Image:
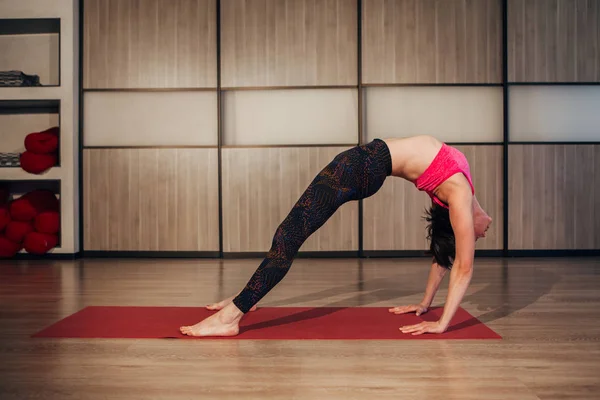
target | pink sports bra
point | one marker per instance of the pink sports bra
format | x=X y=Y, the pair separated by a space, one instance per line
x=446 y=163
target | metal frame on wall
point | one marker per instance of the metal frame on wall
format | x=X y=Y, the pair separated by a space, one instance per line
x=505 y=126
x=80 y=133
x=478 y=253
x=360 y=253
x=360 y=116
x=507 y=84
x=219 y=129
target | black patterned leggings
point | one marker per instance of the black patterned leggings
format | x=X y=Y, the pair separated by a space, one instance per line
x=354 y=174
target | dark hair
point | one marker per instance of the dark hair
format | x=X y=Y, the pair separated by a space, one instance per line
x=441 y=235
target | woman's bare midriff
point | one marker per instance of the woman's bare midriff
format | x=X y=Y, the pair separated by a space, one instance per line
x=411 y=156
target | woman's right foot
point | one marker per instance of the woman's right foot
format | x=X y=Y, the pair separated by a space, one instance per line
x=224 y=323
x=222 y=304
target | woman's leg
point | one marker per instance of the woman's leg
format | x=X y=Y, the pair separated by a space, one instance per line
x=352 y=175
x=317 y=204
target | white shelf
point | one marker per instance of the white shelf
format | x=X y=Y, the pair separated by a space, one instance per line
x=56 y=250
x=33 y=93
x=17 y=174
x=68 y=62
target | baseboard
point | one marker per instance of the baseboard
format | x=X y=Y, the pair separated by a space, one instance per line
x=150 y=254
x=489 y=253
x=395 y=253
x=421 y=253
x=554 y=253
x=210 y=254
x=302 y=254
x=48 y=256
x=486 y=253
x=310 y=254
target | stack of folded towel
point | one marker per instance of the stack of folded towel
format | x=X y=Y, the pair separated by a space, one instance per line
x=18 y=78
x=30 y=222
x=41 y=152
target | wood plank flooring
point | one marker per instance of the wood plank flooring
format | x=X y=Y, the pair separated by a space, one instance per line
x=547 y=310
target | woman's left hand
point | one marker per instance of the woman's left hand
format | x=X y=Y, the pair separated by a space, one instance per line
x=424 y=327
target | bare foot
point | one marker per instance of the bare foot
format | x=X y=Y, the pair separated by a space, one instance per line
x=220 y=305
x=224 y=323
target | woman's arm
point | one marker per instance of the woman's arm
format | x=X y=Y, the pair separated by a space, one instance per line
x=461 y=218
x=436 y=274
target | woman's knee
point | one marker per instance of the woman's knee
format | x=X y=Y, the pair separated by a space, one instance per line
x=284 y=243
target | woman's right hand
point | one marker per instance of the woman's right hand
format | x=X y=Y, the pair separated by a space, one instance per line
x=418 y=309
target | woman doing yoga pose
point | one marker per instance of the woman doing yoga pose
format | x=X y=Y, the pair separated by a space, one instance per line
x=455 y=218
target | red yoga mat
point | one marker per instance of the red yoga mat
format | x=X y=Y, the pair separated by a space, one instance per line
x=279 y=323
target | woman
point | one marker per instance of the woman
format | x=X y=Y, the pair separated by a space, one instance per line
x=456 y=221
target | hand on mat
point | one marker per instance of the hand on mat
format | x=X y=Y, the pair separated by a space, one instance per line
x=418 y=309
x=423 y=327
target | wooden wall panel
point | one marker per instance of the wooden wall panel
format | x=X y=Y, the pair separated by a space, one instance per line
x=149 y=43
x=432 y=41
x=486 y=168
x=151 y=200
x=288 y=42
x=554 y=40
x=393 y=217
x=260 y=187
x=554 y=197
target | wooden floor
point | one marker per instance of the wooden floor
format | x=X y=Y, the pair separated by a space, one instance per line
x=547 y=310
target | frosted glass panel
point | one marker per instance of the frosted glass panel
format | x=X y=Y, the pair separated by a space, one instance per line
x=554 y=113
x=150 y=118
x=295 y=116
x=452 y=114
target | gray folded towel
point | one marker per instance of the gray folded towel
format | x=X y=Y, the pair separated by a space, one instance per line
x=18 y=78
x=8 y=160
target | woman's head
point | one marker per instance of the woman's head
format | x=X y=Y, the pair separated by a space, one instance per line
x=440 y=235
